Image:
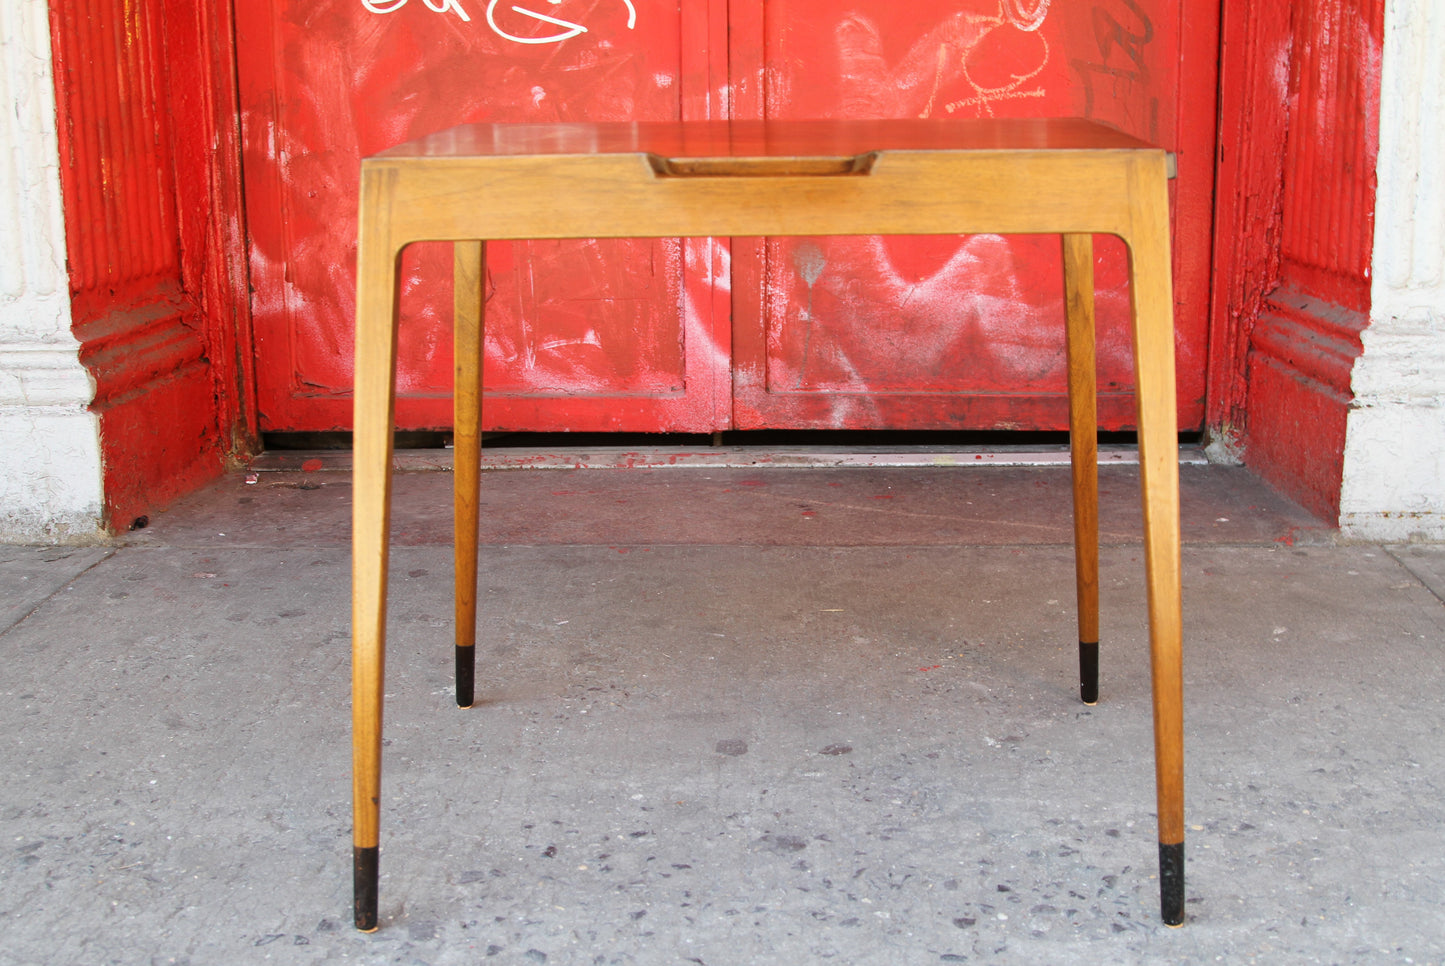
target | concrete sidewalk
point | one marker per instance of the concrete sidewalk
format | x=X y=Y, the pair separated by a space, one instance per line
x=725 y=715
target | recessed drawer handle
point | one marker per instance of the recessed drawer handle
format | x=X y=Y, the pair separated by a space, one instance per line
x=804 y=167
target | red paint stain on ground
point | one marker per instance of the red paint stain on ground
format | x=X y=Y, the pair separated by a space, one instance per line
x=311 y=466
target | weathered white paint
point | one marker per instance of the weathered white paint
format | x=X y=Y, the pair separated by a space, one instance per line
x=50 y=469
x=1394 y=476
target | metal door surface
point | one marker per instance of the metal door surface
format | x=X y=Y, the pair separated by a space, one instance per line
x=963 y=332
x=699 y=335
x=610 y=334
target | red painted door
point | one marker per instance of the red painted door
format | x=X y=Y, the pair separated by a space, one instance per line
x=599 y=335
x=672 y=336
x=953 y=332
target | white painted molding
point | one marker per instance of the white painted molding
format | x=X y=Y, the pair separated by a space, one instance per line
x=42 y=376
x=50 y=463
x=1394 y=475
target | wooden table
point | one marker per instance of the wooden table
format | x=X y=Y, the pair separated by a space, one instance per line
x=717 y=178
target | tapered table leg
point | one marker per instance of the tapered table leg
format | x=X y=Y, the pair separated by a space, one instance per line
x=1083 y=451
x=1153 y=317
x=468 y=305
x=475 y=183
x=377 y=287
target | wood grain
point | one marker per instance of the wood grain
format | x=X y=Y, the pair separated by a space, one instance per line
x=485 y=182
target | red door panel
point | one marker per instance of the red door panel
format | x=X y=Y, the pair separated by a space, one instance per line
x=670 y=335
x=957 y=332
x=580 y=335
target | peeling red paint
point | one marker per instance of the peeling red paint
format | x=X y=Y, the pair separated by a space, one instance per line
x=144 y=124
x=1296 y=227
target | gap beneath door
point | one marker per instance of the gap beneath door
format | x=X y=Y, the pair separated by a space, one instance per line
x=782 y=449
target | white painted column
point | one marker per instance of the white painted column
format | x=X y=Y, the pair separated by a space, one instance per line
x=1394 y=476
x=50 y=464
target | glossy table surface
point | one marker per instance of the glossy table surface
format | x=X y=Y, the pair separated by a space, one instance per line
x=766 y=139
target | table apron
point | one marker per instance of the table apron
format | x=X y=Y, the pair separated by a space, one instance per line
x=622 y=196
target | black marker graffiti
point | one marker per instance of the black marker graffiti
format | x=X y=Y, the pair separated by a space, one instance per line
x=1116 y=84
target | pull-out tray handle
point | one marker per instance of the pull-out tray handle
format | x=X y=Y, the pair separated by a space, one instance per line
x=762 y=167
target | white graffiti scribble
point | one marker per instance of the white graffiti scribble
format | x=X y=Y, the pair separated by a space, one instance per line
x=1017 y=12
x=566 y=29
x=995 y=55
x=439 y=6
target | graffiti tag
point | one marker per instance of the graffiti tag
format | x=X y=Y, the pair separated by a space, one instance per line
x=1120 y=75
x=1025 y=16
x=567 y=29
x=994 y=55
x=559 y=28
x=439 y=6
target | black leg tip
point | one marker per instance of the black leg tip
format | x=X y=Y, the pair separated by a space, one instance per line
x=1171 y=883
x=466 y=676
x=365 y=872
x=1089 y=671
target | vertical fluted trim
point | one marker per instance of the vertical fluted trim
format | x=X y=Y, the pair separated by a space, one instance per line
x=1330 y=150
x=120 y=208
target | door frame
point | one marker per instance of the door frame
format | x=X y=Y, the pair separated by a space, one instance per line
x=214 y=185
x=1293 y=238
x=163 y=326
